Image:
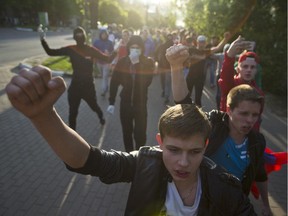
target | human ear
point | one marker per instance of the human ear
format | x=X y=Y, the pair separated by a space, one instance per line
x=159 y=140
x=228 y=110
x=238 y=68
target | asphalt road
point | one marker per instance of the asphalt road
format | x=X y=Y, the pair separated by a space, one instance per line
x=17 y=45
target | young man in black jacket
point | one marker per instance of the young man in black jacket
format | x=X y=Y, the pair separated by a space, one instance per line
x=232 y=144
x=172 y=179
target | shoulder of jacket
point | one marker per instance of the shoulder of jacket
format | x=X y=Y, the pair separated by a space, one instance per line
x=220 y=172
x=208 y=163
x=150 y=151
x=258 y=137
x=230 y=179
x=123 y=63
x=216 y=116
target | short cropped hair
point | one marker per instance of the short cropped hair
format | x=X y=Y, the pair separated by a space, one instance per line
x=241 y=93
x=183 y=121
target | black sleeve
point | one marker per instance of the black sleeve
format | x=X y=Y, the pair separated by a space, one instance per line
x=115 y=82
x=97 y=54
x=53 y=52
x=151 y=67
x=261 y=175
x=110 y=167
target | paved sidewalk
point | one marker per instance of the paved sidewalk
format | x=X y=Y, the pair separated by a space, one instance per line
x=33 y=181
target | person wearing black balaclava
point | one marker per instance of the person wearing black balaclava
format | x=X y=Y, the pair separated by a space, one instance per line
x=82 y=86
x=134 y=73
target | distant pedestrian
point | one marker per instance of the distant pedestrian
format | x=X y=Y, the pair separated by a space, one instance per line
x=148 y=43
x=106 y=47
x=122 y=46
x=134 y=73
x=219 y=57
x=82 y=58
x=197 y=70
x=164 y=68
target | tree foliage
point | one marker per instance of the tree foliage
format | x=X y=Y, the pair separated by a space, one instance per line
x=87 y=12
x=134 y=19
x=111 y=12
x=27 y=11
x=264 y=21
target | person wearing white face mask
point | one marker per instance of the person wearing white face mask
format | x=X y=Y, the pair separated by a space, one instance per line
x=134 y=55
x=134 y=73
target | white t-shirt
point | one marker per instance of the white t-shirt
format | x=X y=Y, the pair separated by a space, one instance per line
x=174 y=205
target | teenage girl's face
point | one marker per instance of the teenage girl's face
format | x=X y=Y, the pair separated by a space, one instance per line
x=182 y=158
x=247 y=69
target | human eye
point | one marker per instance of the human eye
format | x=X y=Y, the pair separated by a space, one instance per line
x=243 y=113
x=196 y=151
x=173 y=149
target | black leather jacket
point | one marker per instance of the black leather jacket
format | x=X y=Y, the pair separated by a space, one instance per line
x=221 y=192
x=256 y=146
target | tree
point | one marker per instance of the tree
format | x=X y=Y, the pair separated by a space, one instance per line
x=94 y=5
x=262 y=21
x=116 y=13
x=270 y=33
x=134 y=19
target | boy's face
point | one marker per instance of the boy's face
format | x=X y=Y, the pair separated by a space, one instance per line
x=201 y=45
x=247 y=69
x=243 y=117
x=182 y=158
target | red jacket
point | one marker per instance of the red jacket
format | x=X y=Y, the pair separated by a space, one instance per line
x=229 y=79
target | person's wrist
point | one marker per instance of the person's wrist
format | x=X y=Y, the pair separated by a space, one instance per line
x=176 y=68
x=44 y=116
x=231 y=54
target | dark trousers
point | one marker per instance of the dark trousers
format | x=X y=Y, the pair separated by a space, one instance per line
x=218 y=93
x=85 y=91
x=134 y=125
x=196 y=82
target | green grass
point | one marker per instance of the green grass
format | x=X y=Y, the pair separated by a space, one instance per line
x=59 y=63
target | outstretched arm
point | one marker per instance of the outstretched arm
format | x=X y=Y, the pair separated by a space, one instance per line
x=176 y=56
x=222 y=43
x=33 y=93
